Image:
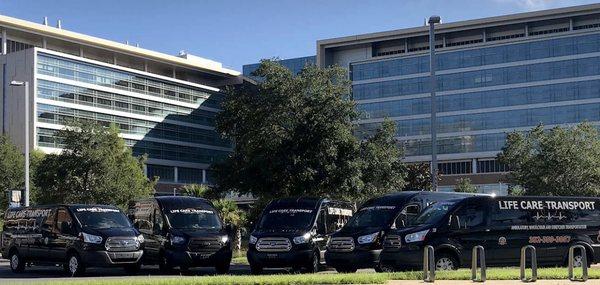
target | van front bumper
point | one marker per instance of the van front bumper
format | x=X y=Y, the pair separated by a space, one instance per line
x=198 y=259
x=402 y=259
x=292 y=258
x=353 y=259
x=110 y=258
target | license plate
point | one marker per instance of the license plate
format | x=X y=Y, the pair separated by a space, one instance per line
x=272 y=255
x=124 y=255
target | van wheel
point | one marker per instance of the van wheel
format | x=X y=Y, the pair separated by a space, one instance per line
x=222 y=268
x=345 y=269
x=17 y=264
x=314 y=265
x=132 y=269
x=74 y=265
x=163 y=264
x=255 y=269
x=578 y=259
x=446 y=262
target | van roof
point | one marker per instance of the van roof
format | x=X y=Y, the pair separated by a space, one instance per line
x=62 y=205
x=297 y=202
x=404 y=196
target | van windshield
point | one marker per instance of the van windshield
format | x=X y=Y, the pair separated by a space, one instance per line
x=101 y=218
x=374 y=216
x=187 y=219
x=433 y=213
x=281 y=219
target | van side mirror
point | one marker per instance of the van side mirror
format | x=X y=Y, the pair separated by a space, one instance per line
x=45 y=227
x=65 y=227
x=454 y=222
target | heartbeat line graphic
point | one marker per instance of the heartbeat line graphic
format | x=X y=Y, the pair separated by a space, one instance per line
x=557 y=215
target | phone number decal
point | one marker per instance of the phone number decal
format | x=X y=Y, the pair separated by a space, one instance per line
x=549 y=239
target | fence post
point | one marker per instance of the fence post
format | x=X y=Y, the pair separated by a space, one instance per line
x=584 y=263
x=428 y=264
x=478 y=254
x=524 y=250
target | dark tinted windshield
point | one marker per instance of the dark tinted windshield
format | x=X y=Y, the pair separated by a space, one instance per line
x=375 y=216
x=101 y=218
x=193 y=219
x=433 y=213
x=278 y=219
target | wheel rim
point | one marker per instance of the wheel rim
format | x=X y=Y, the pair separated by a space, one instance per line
x=14 y=261
x=444 y=263
x=73 y=264
x=577 y=261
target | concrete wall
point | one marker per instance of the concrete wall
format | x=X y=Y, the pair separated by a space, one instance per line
x=18 y=66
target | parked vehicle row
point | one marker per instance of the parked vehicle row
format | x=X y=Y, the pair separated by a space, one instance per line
x=305 y=234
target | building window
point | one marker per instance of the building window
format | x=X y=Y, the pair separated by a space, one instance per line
x=189 y=175
x=458 y=167
x=163 y=173
x=491 y=166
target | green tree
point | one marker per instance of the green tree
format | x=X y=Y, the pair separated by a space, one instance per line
x=382 y=168
x=94 y=166
x=201 y=190
x=293 y=135
x=464 y=185
x=12 y=170
x=557 y=162
x=418 y=177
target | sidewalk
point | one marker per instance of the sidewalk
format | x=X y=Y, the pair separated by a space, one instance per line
x=492 y=282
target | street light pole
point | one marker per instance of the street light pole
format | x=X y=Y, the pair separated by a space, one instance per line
x=26 y=85
x=433 y=86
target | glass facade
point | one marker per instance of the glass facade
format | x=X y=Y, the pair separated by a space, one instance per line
x=482 y=93
x=168 y=130
x=295 y=65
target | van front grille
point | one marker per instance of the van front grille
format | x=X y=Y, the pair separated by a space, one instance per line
x=341 y=244
x=205 y=244
x=273 y=244
x=122 y=244
x=392 y=242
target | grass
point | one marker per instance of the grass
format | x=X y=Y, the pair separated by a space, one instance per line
x=303 y=279
x=239 y=257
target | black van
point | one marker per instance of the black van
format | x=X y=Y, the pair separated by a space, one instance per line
x=78 y=236
x=293 y=232
x=359 y=243
x=182 y=231
x=502 y=225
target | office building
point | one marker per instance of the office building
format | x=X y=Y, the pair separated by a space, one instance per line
x=494 y=75
x=164 y=105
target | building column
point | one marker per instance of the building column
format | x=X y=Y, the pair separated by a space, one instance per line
x=114 y=59
x=405 y=45
x=176 y=174
x=174 y=73
x=80 y=51
x=4 y=42
x=484 y=34
x=526 y=30
x=145 y=170
x=44 y=42
x=474 y=165
x=570 y=24
x=203 y=176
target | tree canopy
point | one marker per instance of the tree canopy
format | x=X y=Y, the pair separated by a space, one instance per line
x=295 y=135
x=94 y=166
x=12 y=173
x=560 y=161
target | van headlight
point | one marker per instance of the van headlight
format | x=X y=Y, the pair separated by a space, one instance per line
x=140 y=239
x=88 y=238
x=367 y=238
x=302 y=239
x=224 y=239
x=252 y=239
x=418 y=236
x=177 y=240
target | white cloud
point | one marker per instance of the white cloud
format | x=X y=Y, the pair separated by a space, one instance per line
x=528 y=4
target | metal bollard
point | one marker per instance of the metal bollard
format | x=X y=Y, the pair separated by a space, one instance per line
x=478 y=254
x=429 y=264
x=524 y=249
x=584 y=263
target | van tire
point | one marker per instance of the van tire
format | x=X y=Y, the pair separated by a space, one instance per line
x=314 y=265
x=446 y=261
x=256 y=269
x=74 y=265
x=578 y=257
x=345 y=269
x=222 y=268
x=163 y=264
x=17 y=263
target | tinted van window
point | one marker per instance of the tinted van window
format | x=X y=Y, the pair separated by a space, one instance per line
x=471 y=216
x=193 y=219
x=101 y=218
x=276 y=219
x=375 y=216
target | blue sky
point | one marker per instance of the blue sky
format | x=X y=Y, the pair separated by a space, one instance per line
x=237 y=32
